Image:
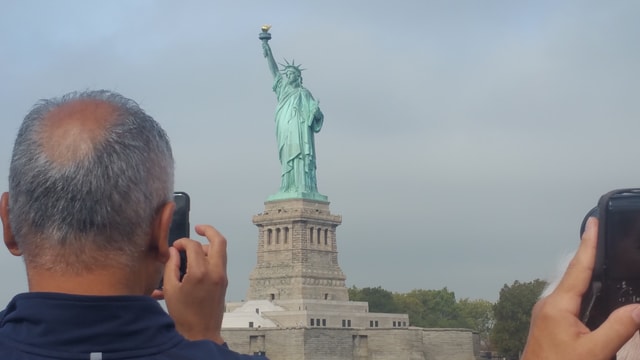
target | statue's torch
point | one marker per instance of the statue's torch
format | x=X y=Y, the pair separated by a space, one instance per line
x=265 y=35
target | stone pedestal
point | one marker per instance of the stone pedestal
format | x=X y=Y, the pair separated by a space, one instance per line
x=297 y=253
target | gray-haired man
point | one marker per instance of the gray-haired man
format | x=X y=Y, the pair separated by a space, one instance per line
x=89 y=208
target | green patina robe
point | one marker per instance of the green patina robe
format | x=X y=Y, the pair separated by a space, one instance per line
x=298 y=117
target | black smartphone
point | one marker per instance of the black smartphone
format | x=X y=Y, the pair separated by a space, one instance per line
x=615 y=280
x=180 y=226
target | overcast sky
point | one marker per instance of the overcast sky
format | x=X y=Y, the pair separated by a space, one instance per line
x=463 y=141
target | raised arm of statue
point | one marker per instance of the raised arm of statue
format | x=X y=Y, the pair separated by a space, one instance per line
x=273 y=66
x=265 y=36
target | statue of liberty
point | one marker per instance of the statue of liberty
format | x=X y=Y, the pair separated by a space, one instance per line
x=298 y=118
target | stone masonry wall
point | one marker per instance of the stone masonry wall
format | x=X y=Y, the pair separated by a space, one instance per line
x=447 y=344
x=355 y=344
x=297 y=253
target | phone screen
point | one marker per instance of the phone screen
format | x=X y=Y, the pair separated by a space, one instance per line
x=623 y=237
x=180 y=225
x=180 y=221
x=616 y=274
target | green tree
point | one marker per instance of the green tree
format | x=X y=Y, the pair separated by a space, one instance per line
x=512 y=314
x=379 y=299
x=413 y=307
x=477 y=315
x=430 y=308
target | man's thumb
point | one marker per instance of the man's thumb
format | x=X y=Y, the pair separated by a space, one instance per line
x=619 y=327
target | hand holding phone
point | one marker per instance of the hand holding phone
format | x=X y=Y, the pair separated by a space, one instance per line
x=555 y=332
x=196 y=304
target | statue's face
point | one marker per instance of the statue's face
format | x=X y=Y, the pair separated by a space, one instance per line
x=292 y=76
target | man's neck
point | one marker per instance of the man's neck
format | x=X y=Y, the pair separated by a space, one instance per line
x=103 y=282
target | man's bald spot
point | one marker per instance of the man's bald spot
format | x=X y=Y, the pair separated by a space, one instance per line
x=71 y=131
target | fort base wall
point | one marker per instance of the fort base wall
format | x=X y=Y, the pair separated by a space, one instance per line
x=355 y=344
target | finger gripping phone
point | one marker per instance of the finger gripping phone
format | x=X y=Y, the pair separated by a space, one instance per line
x=615 y=281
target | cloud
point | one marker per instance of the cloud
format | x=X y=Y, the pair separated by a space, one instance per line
x=463 y=141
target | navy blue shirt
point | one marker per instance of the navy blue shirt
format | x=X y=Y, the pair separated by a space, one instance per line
x=46 y=326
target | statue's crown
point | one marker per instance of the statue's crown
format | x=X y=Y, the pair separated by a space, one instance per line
x=291 y=66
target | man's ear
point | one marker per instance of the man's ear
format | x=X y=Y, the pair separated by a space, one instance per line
x=9 y=239
x=160 y=231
